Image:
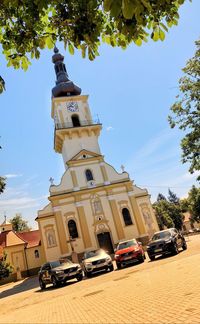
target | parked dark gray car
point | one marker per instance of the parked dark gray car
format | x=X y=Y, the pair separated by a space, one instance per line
x=58 y=272
x=164 y=242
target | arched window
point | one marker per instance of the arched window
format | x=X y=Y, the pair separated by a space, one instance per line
x=72 y=229
x=75 y=121
x=89 y=175
x=36 y=252
x=127 y=217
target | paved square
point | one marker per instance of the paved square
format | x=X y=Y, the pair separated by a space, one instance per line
x=164 y=291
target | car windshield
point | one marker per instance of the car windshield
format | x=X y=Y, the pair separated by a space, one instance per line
x=161 y=235
x=59 y=263
x=126 y=244
x=93 y=253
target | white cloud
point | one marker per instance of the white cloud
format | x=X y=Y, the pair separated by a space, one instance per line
x=8 y=176
x=154 y=144
x=157 y=166
x=19 y=202
x=109 y=128
x=185 y=178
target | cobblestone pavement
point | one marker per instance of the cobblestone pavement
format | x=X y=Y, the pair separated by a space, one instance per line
x=164 y=291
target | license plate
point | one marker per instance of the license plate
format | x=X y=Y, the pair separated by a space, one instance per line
x=158 y=250
x=128 y=258
x=99 y=265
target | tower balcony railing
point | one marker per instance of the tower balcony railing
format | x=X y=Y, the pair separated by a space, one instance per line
x=80 y=123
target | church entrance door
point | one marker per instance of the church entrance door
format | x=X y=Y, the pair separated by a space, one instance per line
x=105 y=242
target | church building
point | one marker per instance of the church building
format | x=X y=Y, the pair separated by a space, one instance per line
x=93 y=206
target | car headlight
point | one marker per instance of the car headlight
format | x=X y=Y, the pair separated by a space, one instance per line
x=168 y=241
x=137 y=249
x=116 y=256
x=148 y=246
x=59 y=272
x=88 y=264
x=108 y=259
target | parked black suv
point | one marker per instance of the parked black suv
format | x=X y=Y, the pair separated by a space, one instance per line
x=58 y=272
x=164 y=242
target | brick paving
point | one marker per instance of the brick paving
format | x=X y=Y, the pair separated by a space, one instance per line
x=164 y=291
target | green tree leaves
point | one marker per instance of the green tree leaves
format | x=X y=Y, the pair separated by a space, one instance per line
x=169 y=211
x=27 y=27
x=2 y=184
x=128 y=8
x=5 y=267
x=19 y=224
x=2 y=85
x=186 y=112
x=193 y=203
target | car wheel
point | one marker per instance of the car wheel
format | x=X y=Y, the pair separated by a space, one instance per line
x=111 y=268
x=152 y=257
x=141 y=259
x=54 y=282
x=119 y=266
x=42 y=284
x=79 y=277
x=88 y=274
x=184 y=246
x=175 y=249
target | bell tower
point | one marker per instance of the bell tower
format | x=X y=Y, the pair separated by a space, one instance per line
x=75 y=130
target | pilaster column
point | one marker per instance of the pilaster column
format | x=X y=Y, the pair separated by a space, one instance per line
x=74 y=178
x=61 y=117
x=83 y=224
x=104 y=173
x=116 y=218
x=138 y=216
x=43 y=254
x=61 y=233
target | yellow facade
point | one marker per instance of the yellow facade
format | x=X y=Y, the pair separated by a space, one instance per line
x=93 y=202
x=23 y=250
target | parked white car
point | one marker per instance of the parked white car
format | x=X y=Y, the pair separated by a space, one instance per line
x=96 y=260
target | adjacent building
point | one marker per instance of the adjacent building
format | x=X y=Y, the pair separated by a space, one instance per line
x=23 y=250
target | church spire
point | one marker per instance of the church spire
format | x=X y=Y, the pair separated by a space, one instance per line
x=64 y=87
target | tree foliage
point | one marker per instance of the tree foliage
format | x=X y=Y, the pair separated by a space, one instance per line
x=28 y=26
x=186 y=112
x=173 y=198
x=2 y=179
x=193 y=202
x=2 y=184
x=19 y=224
x=168 y=211
x=5 y=267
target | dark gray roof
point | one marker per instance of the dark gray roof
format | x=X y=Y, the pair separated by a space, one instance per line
x=64 y=87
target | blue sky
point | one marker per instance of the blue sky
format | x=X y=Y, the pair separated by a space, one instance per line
x=131 y=91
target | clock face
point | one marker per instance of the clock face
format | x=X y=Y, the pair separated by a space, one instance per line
x=72 y=106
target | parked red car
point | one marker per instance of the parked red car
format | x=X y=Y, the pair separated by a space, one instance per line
x=129 y=251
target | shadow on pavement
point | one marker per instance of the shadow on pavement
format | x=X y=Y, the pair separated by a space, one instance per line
x=25 y=285
x=50 y=286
